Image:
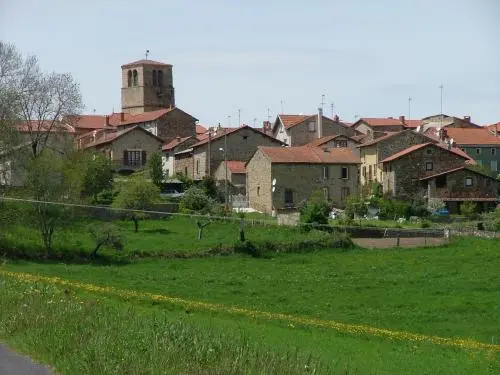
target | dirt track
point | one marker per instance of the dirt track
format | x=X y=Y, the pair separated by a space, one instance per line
x=383 y=243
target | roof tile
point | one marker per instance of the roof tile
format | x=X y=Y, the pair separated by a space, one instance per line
x=310 y=155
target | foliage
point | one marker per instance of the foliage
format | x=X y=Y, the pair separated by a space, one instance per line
x=393 y=209
x=98 y=177
x=137 y=194
x=208 y=184
x=315 y=211
x=419 y=209
x=186 y=181
x=435 y=204
x=105 y=197
x=469 y=210
x=195 y=200
x=155 y=167
x=105 y=235
x=355 y=206
x=425 y=224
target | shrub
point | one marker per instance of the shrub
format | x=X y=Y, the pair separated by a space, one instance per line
x=315 y=211
x=105 y=235
x=196 y=200
x=393 y=209
x=355 y=206
x=425 y=224
x=469 y=210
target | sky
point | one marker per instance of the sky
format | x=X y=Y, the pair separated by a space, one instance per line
x=366 y=57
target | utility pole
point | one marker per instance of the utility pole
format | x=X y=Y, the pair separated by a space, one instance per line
x=409 y=107
x=332 y=106
x=225 y=162
x=239 y=117
x=229 y=121
x=254 y=122
x=322 y=101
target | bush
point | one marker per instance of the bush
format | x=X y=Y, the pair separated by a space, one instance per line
x=105 y=235
x=195 y=200
x=315 y=211
x=393 y=209
x=425 y=224
x=469 y=210
x=355 y=206
x=419 y=209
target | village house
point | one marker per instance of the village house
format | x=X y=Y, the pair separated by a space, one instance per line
x=298 y=130
x=170 y=149
x=459 y=185
x=236 y=174
x=237 y=144
x=478 y=143
x=405 y=169
x=128 y=149
x=375 y=127
x=373 y=152
x=285 y=177
x=336 y=141
x=445 y=121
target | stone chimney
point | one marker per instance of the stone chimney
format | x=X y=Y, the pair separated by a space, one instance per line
x=319 y=123
x=266 y=127
x=122 y=116
x=106 y=121
x=178 y=138
x=402 y=119
x=467 y=119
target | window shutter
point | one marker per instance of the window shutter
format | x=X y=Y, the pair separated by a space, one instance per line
x=125 y=157
x=144 y=157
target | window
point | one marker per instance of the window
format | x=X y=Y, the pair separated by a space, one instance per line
x=312 y=126
x=344 y=173
x=428 y=151
x=258 y=191
x=441 y=181
x=428 y=166
x=364 y=171
x=326 y=194
x=325 y=172
x=344 y=193
x=135 y=78
x=197 y=166
x=494 y=165
x=155 y=82
x=129 y=78
x=341 y=143
x=468 y=181
x=478 y=151
x=134 y=157
x=160 y=78
x=493 y=151
x=288 y=196
x=369 y=173
x=185 y=171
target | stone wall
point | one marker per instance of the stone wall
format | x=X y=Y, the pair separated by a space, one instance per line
x=259 y=183
x=176 y=124
x=409 y=169
x=184 y=164
x=300 y=134
x=482 y=186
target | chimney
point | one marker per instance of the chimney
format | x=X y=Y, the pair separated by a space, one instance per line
x=122 y=116
x=496 y=129
x=106 y=120
x=467 y=119
x=402 y=119
x=336 y=118
x=266 y=127
x=320 y=123
x=178 y=138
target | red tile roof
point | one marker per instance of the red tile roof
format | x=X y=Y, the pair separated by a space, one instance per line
x=310 y=155
x=174 y=143
x=200 y=129
x=291 y=120
x=146 y=116
x=37 y=126
x=144 y=62
x=111 y=136
x=321 y=141
x=472 y=136
x=413 y=123
x=414 y=148
x=236 y=166
x=227 y=131
x=458 y=169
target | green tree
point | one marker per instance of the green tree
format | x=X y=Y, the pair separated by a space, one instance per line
x=315 y=211
x=469 y=210
x=98 y=175
x=105 y=235
x=155 y=167
x=138 y=194
x=195 y=200
x=209 y=185
x=355 y=206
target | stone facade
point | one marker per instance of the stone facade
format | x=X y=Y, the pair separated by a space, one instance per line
x=295 y=182
x=241 y=145
x=147 y=94
x=237 y=181
x=402 y=176
x=184 y=163
x=168 y=157
x=372 y=154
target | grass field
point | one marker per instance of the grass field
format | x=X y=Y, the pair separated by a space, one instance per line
x=451 y=292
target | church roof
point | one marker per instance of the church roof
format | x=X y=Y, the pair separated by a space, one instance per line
x=144 y=62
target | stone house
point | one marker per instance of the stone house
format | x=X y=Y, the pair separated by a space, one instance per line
x=236 y=175
x=336 y=141
x=446 y=121
x=373 y=152
x=207 y=154
x=128 y=149
x=298 y=130
x=478 y=143
x=170 y=149
x=459 y=185
x=285 y=177
x=405 y=169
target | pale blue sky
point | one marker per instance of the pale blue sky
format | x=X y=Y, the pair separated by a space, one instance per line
x=366 y=56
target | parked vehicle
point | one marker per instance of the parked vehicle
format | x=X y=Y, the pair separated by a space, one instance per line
x=443 y=212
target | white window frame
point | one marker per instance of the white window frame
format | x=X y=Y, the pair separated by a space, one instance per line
x=311 y=126
x=471 y=182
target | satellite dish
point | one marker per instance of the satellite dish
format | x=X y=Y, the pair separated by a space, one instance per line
x=452 y=141
x=274 y=189
x=419 y=128
x=274 y=182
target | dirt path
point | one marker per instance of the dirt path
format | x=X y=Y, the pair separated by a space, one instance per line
x=15 y=364
x=383 y=243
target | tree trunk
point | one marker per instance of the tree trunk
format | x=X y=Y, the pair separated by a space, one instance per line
x=94 y=253
x=200 y=233
x=136 y=223
x=242 y=231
